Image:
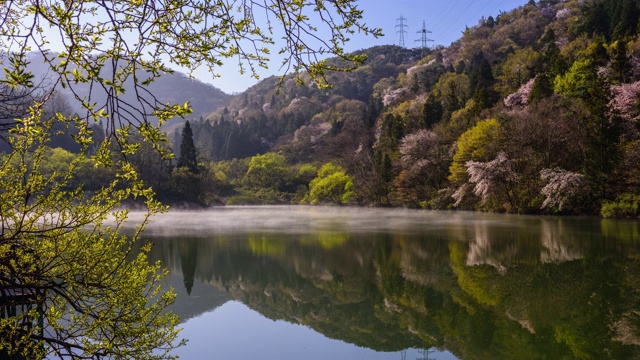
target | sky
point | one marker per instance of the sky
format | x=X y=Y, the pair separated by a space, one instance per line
x=445 y=19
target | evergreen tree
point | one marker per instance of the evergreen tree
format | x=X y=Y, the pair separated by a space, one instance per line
x=188 y=262
x=626 y=18
x=188 y=155
x=542 y=88
x=432 y=112
x=481 y=83
x=620 y=64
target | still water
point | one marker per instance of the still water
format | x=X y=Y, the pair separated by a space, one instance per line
x=348 y=283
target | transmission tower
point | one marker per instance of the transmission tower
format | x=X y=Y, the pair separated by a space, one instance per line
x=425 y=354
x=401 y=25
x=424 y=40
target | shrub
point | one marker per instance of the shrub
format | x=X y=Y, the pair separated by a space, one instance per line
x=331 y=186
x=625 y=206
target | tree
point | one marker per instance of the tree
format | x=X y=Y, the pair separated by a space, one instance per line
x=481 y=82
x=542 y=88
x=562 y=187
x=331 y=186
x=425 y=164
x=518 y=69
x=431 y=111
x=266 y=171
x=61 y=248
x=188 y=156
x=478 y=144
x=578 y=80
x=620 y=64
x=494 y=178
x=453 y=90
x=80 y=276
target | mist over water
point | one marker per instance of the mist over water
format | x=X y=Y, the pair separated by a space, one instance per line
x=310 y=219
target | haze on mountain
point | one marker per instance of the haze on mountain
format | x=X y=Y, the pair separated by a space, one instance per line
x=172 y=88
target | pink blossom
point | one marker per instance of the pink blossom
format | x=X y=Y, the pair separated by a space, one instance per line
x=563 y=13
x=624 y=100
x=562 y=186
x=416 y=146
x=520 y=98
x=490 y=177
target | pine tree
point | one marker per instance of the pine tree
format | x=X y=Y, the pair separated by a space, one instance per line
x=188 y=155
x=432 y=112
x=542 y=88
x=481 y=83
x=620 y=64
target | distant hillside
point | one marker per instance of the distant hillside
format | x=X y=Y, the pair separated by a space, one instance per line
x=172 y=88
x=274 y=114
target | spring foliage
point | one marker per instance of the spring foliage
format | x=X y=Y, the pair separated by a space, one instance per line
x=331 y=186
x=96 y=294
x=474 y=145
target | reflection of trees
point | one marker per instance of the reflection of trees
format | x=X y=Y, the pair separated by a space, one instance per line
x=188 y=261
x=557 y=245
x=442 y=289
x=481 y=250
x=194 y=297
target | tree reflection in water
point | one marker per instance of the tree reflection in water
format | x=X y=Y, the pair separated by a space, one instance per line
x=488 y=287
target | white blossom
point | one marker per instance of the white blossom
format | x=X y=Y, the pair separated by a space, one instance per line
x=490 y=177
x=561 y=186
x=520 y=98
x=416 y=146
x=459 y=194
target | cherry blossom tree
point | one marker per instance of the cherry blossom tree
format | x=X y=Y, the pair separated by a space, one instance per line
x=624 y=100
x=561 y=187
x=425 y=162
x=494 y=178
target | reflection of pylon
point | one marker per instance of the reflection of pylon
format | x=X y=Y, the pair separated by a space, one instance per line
x=424 y=38
x=403 y=355
x=401 y=25
x=425 y=354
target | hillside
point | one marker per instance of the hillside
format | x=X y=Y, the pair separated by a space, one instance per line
x=172 y=88
x=273 y=114
x=534 y=111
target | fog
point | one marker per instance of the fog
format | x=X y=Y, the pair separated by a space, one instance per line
x=310 y=219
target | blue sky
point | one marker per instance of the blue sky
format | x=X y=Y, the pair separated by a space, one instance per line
x=445 y=19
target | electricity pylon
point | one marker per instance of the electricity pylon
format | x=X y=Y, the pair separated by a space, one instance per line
x=401 y=25
x=424 y=39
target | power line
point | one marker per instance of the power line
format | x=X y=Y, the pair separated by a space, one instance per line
x=454 y=22
x=475 y=15
x=444 y=13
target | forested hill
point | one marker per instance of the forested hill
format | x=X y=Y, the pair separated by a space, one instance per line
x=175 y=88
x=534 y=111
x=276 y=114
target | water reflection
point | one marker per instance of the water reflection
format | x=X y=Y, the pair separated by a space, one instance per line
x=480 y=286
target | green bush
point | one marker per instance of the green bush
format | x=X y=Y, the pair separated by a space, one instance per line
x=625 y=206
x=258 y=197
x=331 y=186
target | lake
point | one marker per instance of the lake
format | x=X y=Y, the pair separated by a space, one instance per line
x=292 y=282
